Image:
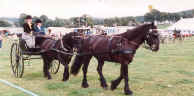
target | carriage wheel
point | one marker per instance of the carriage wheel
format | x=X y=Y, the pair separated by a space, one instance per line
x=17 y=62
x=55 y=65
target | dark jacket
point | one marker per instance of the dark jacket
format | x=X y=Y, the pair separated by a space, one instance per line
x=27 y=28
x=39 y=31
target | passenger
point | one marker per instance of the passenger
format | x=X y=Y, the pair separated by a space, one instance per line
x=38 y=28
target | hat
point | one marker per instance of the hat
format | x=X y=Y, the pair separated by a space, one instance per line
x=38 y=21
x=28 y=17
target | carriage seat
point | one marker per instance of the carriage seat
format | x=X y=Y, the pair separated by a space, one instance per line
x=26 y=49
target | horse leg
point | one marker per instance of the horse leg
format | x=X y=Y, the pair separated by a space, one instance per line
x=47 y=62
x=102 y=79
x=85 y=69
x=116 y=82
x=125 y=76
x=66 y=72
x=65 y=61
x=44 y=68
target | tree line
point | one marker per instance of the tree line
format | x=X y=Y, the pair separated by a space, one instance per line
x=86 y=20
x=156 y=15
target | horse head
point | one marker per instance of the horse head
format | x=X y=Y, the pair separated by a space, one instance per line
x=73 y=40
x=152 y=38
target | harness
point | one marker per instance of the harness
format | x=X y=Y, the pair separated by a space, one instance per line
x=111 y=50
x=54 y=45
x=119 y=49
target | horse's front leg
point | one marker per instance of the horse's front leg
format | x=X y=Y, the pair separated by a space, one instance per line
x=46 y=66
x=85 y=69
x=116 y=82
x=125 y=76
x=99 y=69
x=64 y=59
x=66 y=72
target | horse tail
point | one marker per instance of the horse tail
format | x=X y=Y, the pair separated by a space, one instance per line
x=77 y=63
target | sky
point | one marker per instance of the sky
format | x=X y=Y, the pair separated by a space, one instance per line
x=95 y=8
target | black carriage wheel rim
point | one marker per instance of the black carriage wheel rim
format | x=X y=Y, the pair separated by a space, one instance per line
x=53 y=66
x=17 y=60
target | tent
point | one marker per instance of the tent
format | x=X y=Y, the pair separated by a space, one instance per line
x=185 y=25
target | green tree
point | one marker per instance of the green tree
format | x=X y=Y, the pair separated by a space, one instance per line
x=4 y=23
x=44 y=19
x=58 y=22
x=21 y=18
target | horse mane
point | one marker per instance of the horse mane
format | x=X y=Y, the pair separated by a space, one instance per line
x=68 y=35
x=132 y=33
x=67 y=38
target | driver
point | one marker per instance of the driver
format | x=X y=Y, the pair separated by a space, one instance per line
x=27 y=35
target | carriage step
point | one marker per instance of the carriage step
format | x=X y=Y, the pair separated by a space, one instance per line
x=32 y=53
x=31 y=58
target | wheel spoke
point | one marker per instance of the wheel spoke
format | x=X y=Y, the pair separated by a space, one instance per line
x=16 y=60
x=54 y=66
x=16 y=71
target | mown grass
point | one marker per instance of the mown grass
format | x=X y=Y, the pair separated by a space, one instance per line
x=169 y=72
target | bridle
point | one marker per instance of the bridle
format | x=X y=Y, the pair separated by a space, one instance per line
x=63 y=49
x=149 y=38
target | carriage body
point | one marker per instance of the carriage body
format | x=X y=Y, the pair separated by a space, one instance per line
x=20 y=53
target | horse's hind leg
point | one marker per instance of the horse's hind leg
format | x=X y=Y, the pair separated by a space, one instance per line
x=99 y=69
x=84 y=69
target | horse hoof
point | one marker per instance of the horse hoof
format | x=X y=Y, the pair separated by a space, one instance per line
x=65 y=79
x=113 y=87
x=45 y=75
x=129 y=93
x=105 y=86
x=49 y=78
x=85 y=85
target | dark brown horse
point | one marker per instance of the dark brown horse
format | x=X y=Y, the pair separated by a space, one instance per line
x=119 y=48
x=51 y=50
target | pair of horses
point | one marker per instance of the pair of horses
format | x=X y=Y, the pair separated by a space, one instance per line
x=119 y=48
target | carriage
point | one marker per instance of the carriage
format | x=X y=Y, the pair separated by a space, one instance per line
x=20 y=53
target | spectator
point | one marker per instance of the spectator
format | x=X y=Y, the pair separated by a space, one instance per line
x=1 y=40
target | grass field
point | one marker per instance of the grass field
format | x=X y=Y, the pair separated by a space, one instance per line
x=169 y=72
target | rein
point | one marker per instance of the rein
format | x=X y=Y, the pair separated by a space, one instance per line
x=116 y=51
x=62 y=45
